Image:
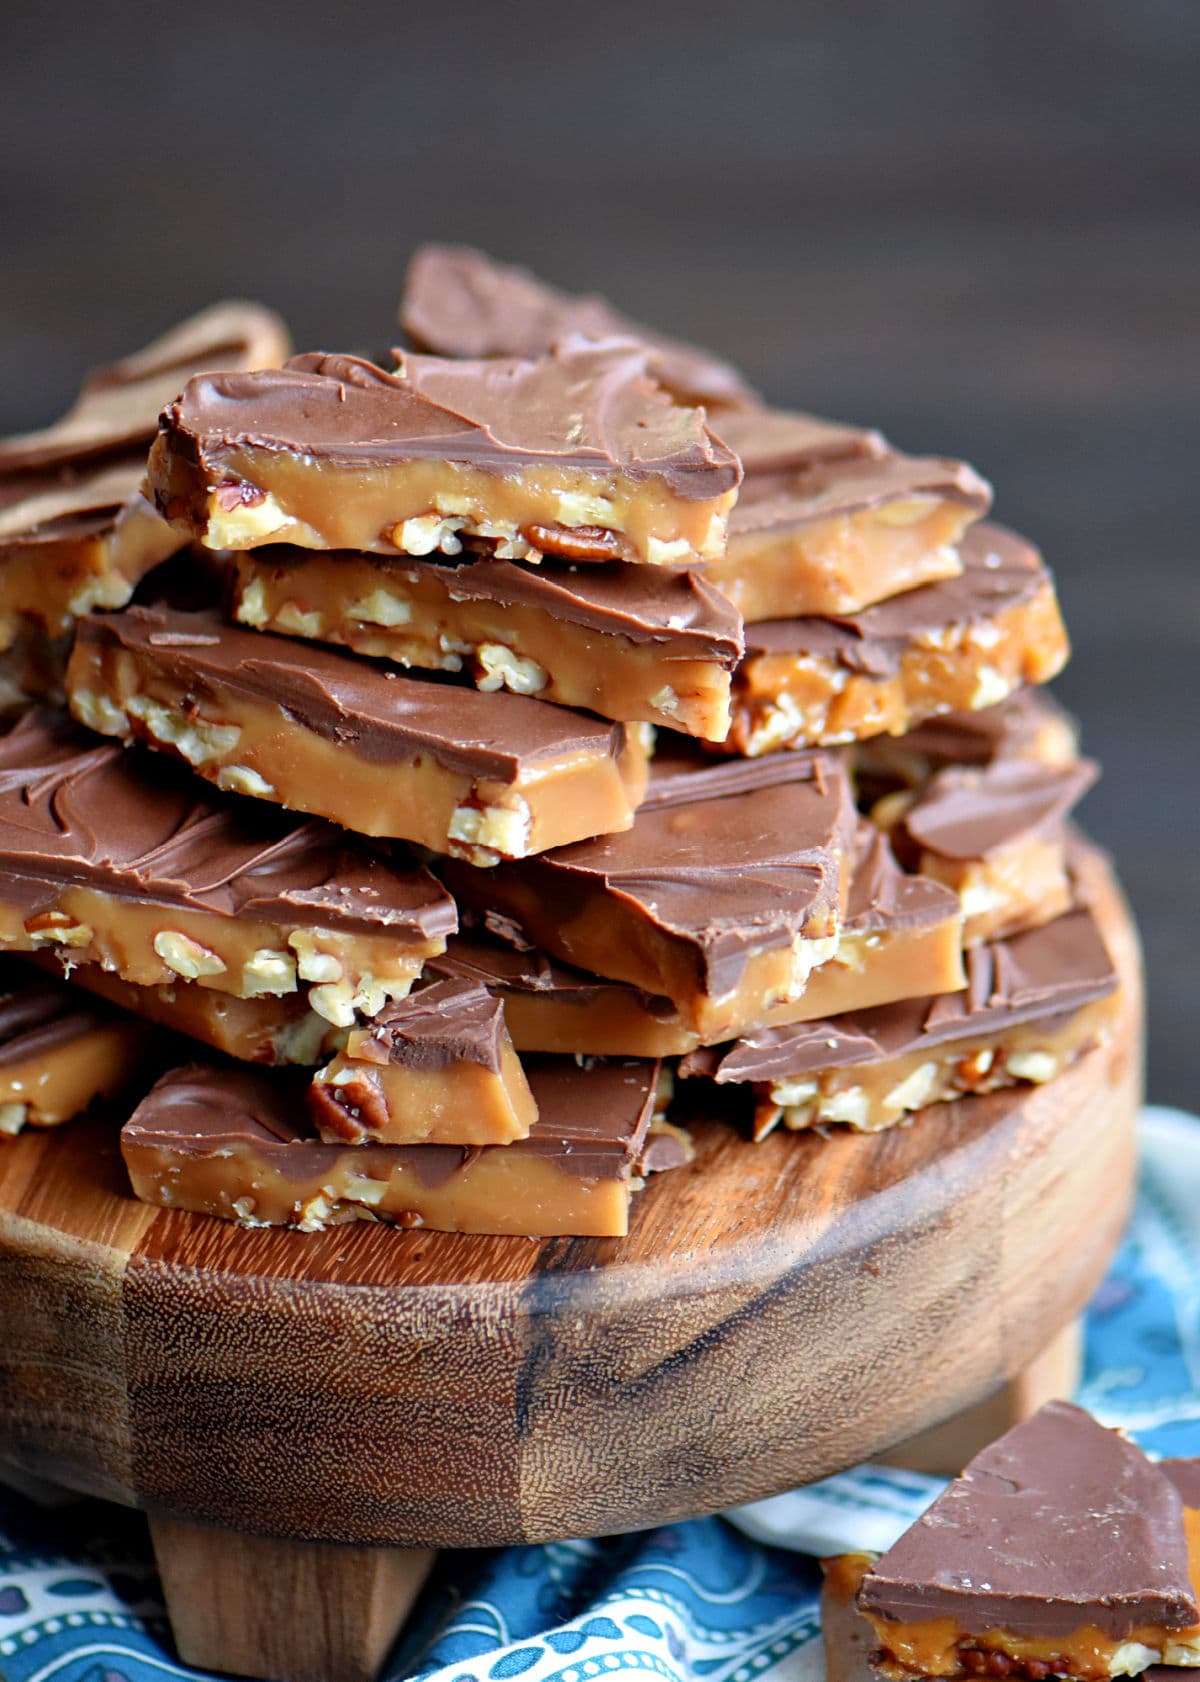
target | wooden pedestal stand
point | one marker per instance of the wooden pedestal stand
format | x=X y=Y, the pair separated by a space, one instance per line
x=778 y=1311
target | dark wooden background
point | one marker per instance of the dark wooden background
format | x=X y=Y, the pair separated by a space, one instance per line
x=973 y=224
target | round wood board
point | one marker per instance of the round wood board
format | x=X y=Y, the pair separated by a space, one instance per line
x=777 y=1312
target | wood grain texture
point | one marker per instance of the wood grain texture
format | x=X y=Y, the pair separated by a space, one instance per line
x=290 y=1611
x=777 y=1312
x=943 y=1450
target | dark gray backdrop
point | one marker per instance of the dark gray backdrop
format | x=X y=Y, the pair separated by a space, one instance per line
x=974 y=224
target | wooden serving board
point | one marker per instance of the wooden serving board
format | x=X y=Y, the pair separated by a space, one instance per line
x=777 y=1312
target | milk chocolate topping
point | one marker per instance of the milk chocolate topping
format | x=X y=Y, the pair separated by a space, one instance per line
x=471 y=956
x=680 y=774
x=790 y=496
x=1059 y=1525
x=117 y=407
x=967 y=813
x=1000 y=570
x=784 y=441
x=379 y=712
x=1185 y=1475
x=590 y=406
x=727 y=876
x=642 y=604
x=450 y=1021
x=591 y=1120
x=77 y=809
x=1008 y=731
x=37 y=1014
x=1046 y=972
x=882 y=895
x=458 y=302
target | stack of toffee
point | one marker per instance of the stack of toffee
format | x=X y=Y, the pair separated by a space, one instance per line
x=521 y=736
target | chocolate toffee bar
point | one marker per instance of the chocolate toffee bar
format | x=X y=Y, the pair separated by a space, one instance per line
x=270 y=1030
x=234 y=1143
x=76 y=531
x=483 y=777
x=578 y=454
x=458 y=302
x=997 y=836
x=723 y=897
x=1029 y=725
x=630 y=643
x=59 y=1051
x=117 y=859
x=1032 y=1005
x=829 y=519
x=962 y=644
x=1061 y=1550
x=900 y=937
x=435 y=1068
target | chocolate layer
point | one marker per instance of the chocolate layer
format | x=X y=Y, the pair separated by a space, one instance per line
x=1185 y=1475
x=590 y=406
x=450 y=1021
x=1019 y=728
x=116 y=411
x=784 y=441
x=884 y=896
x=681 y=775
x=641 y=604
x=38 y=1015
x=967 y=813
x=74 y=809
x=1044 y=973
x=1060 y=1524
x=377 y=713
x=1000 y=571
x=504 y=967
x=797 y=495
x=458 y=302
x=726 y=875
x=591 y=1122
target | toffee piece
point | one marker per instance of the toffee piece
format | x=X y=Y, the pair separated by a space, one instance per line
x=1061 y=1547
x=116 y=859
x=234 y=1143
x=270 y=1029
x=830 y=520
x=996 y=835
x=76 y=532
x=1031 y=1006
x=459 y=302
x=578 y=454
x=723 y=903
x=483 y=777
x=627 y=642
x=1029 y=726
x=900 y=936
x=60 y=1051
x=435 y=1068
x=956 y=646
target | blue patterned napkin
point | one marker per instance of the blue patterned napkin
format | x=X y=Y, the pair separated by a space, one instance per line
x=728 y=1600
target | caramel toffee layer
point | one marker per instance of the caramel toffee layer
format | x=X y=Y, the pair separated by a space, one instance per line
x=435 y=1068
x=1099 y=1585
x=458 y=302
x=955 y=646
x=723 y=904
x=1029 y=725
x=627 y=642
x=59 y=1051
x=75 y=530
x=900 y=936
x=1022 y=1016
x=480 y=776
x=269 y=1030
x=117 y=859
x=997 y=836
x=577 y=454
x=848 y=1638
x=816 y=531
x=234 y=1143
